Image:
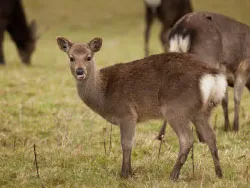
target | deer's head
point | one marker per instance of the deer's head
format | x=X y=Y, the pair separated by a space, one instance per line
x=81 y=55
x=30 y=45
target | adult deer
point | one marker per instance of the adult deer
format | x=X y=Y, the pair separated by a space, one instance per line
x=13 y=20
x=170 y=86
x=168 y=12
x=221 y=42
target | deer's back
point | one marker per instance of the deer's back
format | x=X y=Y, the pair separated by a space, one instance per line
x=229 y=40
x=146 y=84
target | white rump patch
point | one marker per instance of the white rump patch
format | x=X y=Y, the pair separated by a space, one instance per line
x=153 y=3
x=206 y=85
x=178 y=43
x=174 y=44
x=213 y=87
x=221 y=87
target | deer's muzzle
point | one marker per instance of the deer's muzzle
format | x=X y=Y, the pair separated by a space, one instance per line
x=80 y=74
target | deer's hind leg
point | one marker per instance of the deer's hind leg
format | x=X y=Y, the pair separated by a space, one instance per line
x=164 y=37
x=224 y=104
x=162 y=131
x=206 y=132
x=242 y=76
x=149 y=18
x=180 y=124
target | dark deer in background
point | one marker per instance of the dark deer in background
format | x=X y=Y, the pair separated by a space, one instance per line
x=223 y=43
x=170 y=86
x=12 y=19
x=168 y=12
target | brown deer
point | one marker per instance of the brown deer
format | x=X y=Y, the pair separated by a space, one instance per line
x=168 y=12
x=170 y=86
x=13 y=20
x=221 y=42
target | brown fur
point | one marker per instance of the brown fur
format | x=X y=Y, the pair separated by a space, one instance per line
x=13 y=20
x=221 y=42
x=165 y=86
x=168 y=12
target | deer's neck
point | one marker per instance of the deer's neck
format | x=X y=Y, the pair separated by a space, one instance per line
x=19 y=29
x=91 y=91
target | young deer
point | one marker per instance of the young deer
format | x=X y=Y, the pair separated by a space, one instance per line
x=170 y=86
x=223 y=43
x=168 y=12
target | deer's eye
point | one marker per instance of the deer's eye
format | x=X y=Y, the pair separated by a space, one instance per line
x=89 y=58
x=71 y=59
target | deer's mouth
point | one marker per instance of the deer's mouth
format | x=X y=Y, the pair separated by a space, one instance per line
x=81 y=77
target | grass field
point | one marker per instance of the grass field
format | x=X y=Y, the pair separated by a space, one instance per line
x=39 y=105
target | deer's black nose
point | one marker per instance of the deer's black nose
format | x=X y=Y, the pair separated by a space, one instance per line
x=79 y=71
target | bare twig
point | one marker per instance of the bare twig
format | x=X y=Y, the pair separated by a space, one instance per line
x=242 y=156
x=110 y=138
x=14 y=144
x=36 y=164
x=104 y=140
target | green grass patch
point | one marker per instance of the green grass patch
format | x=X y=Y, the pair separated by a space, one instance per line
x=39 y=105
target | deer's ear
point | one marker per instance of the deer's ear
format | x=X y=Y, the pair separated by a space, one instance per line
x=33 y=29
x=95 y=44
x=64 y=44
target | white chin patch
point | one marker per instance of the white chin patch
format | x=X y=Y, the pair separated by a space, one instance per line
x=81 y=77
x=153 y=3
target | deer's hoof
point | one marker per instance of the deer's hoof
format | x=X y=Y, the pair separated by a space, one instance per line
x=219 y=173
x=126 y=173
x=174 y=175
x=159 y=137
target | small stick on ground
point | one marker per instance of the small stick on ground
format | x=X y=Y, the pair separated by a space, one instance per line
x=14 y=144
x=104 y=140
x=110 y=138
x=192 y=154
x=36 y=164
x=159 y=152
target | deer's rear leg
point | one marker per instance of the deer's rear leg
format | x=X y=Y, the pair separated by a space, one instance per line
x=149 y=17
x=225 y=112
x=185 y=136
x=242 y=76
x=164 y=38
x=127 y=131
x=162 y=131
x=205 y=130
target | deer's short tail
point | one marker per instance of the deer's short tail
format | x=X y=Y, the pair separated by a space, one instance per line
x=180 y=37
x=213 y=88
